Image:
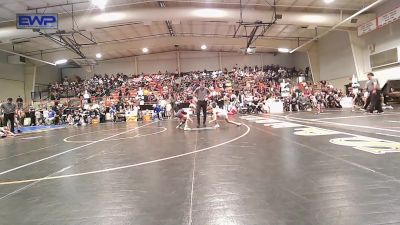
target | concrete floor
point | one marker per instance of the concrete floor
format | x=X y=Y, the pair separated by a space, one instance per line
x=335 y=168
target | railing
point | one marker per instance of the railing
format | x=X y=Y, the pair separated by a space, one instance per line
x=39 y=95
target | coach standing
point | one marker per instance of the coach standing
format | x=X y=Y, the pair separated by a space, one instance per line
x=8 y=109
x=201 y=94
x=375 y=93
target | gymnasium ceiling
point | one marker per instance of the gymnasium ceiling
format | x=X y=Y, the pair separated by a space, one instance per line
x=146 y=25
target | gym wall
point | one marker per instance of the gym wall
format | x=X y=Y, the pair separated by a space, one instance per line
x=383 y=39
x=11 y=79
x=379 y=40
x=300 y=60
x=47 y=74
x=188 y=61
x=337 y=63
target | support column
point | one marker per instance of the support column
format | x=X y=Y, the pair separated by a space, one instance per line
x=178 y=61
x=29 y=83
x=220 y=60
x=136 y=66
x=313 y=59
x=357 y=47
x=262 y=60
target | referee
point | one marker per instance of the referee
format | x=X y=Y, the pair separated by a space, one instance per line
x=8 y=109
x=201 y=94
x=374 y=90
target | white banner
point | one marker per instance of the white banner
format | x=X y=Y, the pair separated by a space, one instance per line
x=389 y=17
x=367 y=27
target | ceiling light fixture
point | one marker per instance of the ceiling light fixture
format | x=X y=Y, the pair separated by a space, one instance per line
x=61 y=61
x=312 y=18
x=99 y=55
x=101 y=4
x=283 y=50
x=145 y=50
x=328 y=1
x=109 y=17
x=209 y=13
x=204 y=47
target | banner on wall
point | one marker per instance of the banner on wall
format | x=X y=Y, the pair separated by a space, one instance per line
x=367 y=27
x=379 y=22
x=389 y=17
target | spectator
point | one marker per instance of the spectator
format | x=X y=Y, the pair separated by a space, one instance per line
x=20 y=103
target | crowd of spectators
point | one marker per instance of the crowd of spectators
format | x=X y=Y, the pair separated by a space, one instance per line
x=248 y=89
x=164 y=92
x=102 y=85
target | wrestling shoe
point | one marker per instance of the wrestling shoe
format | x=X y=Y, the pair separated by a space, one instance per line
x=216 y=126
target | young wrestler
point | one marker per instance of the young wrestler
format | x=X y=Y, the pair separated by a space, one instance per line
x=220 y=113
x=17 y=119
x=4 y=132
x=70 y=120
x=318 y=101
x=183 y=117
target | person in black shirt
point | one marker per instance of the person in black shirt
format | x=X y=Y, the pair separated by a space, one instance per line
x=32 y=116
x=201 y=94
x=220 y=100
x=323 y=83
x=9 y=109
x=20 y=102
x=56 y=109
x=374 y=93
